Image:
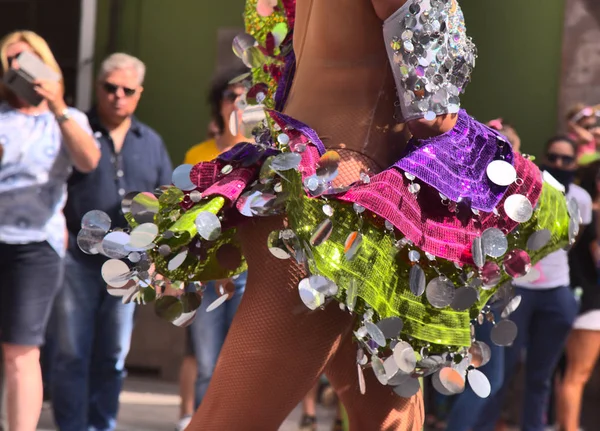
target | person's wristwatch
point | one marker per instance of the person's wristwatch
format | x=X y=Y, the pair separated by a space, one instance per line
x=63 y=116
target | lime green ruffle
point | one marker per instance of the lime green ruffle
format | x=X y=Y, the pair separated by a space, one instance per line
x=381 y=270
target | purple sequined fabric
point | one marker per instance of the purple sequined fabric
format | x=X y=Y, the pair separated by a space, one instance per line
x=285 y=82
x=300 y=126
x=455 y=163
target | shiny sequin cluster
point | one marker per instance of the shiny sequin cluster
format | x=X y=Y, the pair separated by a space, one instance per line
x=431 y=57
x=262 y=48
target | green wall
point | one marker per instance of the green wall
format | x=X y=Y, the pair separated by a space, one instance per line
x=177 y=39
x=518 y=70
x=516 y=77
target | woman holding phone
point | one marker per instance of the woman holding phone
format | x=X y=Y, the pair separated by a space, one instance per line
x=40 y=145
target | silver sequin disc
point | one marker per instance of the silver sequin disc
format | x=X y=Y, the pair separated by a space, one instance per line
x=480 y=354
x=511 y=306
x=414 y=256
x=322 y=233
x=309 y=296
x=351 y=294
x=96 y=220
x=448 y=381
x=217 y=303
x=142 y=235
x=286 y=161
x=504 y=333
x=391 y=368
x=405 y=358
x=114 y=272
x=408 y=388
x=177 y=261
x=494 y=242
x=440 y=292
x=181 y=178
x=379 y=370
x=323 y=285
x=573 y=209
x=464 y=298
x=518 y=208
x=208 y=226
x=391 y=327
x=479 y=383
x=501 y=173
x=375 y=333
x=113 y=245
x=478 y=254
x=361 y=379
x=417 y=280
x=352 y=245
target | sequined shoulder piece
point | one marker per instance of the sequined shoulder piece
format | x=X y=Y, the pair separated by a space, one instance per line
x=431 y=57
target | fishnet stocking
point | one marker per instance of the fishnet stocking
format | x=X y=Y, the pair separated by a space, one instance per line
x=277 y=348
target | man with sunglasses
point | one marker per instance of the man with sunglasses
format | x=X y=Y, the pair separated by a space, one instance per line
x=91 y=329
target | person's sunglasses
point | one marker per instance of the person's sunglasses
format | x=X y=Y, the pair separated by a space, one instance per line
x=566 y=160
x=112 y=89
x=590 y=126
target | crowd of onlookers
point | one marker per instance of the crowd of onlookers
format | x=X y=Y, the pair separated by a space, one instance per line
x=57 y=163
x=64 y=337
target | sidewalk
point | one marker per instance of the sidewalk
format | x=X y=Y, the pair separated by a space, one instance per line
x=151 y=405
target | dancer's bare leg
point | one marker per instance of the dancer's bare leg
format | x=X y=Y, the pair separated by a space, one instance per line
x=277 y=349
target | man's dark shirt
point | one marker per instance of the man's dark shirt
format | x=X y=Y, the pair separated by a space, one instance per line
x=142 y=165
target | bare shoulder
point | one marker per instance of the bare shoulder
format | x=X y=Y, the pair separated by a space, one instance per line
x=385 y=8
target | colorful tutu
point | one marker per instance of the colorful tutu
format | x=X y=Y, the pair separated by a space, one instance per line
x=415 y=251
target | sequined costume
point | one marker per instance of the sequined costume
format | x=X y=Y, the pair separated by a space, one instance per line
x=363 y=250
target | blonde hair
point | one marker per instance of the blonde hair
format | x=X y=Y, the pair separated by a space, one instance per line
x=39 y=46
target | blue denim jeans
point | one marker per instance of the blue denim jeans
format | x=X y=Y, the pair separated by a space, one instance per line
x=467 y=405
x=544 y=319
x=209 y=329
x=91 y=332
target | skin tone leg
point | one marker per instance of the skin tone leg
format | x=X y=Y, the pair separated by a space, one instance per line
x=583 y=349
x=309 y=403
x=187 y=381
x=23 y=376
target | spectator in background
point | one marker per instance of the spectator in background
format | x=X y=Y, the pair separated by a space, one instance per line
x=546 y=311
x=206 y=334
x=40 y=145
x=505 y=128
x=583 y=344
x=91 y=328
x=582 y=122
x=466 y=407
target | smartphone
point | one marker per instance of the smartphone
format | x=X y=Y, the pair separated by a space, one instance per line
x=31 y=68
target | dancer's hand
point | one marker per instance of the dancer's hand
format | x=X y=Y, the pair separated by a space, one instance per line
x=423 y=129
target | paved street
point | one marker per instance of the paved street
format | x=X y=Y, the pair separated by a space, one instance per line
x=150 y=405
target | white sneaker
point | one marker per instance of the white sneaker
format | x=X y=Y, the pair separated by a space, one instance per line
x=183 y=423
